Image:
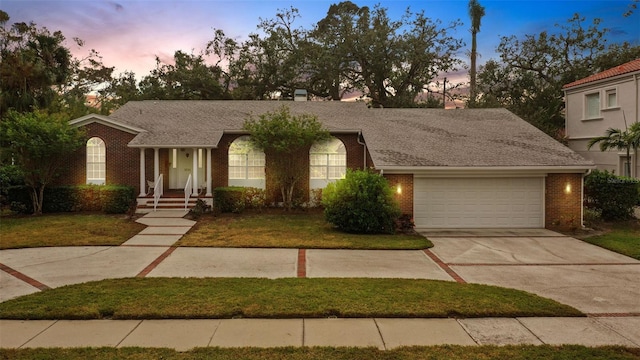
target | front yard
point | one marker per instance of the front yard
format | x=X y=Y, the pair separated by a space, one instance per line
x=623 y=238
x=66 y=229
x=277 y=229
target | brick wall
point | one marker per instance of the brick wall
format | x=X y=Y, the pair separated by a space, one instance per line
x=122 y=162
x=563 y=209
x=405 y=199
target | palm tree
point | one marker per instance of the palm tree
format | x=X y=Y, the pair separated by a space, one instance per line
x=621 y=141
x=476 y=12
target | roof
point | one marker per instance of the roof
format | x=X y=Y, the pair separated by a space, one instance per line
x=394 y=137
x=626 y=68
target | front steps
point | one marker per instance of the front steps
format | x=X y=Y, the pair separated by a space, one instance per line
x=145 y=204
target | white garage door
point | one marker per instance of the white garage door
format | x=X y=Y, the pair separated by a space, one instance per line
x=478 y=202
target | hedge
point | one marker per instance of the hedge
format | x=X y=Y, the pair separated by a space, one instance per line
x=615 y=196
x=111 y=199
x=236 y=199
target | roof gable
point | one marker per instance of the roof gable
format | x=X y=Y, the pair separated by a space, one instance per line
x=107 y=121
x=631 y=66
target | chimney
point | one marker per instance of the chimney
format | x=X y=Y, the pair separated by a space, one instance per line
x=300 y=95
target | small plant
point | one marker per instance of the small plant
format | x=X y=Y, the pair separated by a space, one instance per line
x=254 y=198
x=229 y=199
x=315 y=199
x=201 y=207
x=362 y=202
x=405 y=224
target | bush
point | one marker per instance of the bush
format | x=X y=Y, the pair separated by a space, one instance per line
x=111 y=199
x=229 y=199
x=362 y=202
x=254 y=198
x=613 y=196
x=117 y=199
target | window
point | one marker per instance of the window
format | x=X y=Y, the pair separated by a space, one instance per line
x=592 y=105
x=328 y=160
x=96 y=161
x=245 y=161
x=611 y=98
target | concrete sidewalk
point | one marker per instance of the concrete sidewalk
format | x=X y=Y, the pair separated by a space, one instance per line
x=382 y=333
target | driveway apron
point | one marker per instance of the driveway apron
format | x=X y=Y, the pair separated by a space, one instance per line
x=589 y=278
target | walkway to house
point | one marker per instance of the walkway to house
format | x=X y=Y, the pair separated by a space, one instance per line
x=598 y=282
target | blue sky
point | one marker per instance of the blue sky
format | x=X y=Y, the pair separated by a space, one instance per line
x=130 y=33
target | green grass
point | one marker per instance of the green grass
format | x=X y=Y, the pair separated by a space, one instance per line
x=446 y=352
x=306 y=230
x=191 y=298
x=66 y=230
x=622 y=238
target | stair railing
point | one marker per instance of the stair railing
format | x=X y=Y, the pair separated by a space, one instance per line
x=188 y=189
x=157 y=191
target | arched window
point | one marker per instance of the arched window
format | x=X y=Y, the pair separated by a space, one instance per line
x=96 y=161
x=246 y=164
x=327 y=162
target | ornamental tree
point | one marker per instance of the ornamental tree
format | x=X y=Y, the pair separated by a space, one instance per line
x=39 y=144
x=286 y=139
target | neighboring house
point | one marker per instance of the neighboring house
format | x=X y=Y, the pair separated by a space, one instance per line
x=466 y=168
x=596 y=103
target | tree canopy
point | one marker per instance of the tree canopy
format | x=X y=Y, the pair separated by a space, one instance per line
x=284 y=137
x=39 y=144
x=529 y=77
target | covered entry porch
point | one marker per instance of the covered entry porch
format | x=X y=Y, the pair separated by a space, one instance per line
x=176 y=171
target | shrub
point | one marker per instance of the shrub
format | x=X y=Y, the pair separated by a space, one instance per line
x=117 y=199
x=614 y=196
x=112 y=199
x=229 y=199
x=254 y=198
x=362 y=202
x=200 y=208
x=405 y=224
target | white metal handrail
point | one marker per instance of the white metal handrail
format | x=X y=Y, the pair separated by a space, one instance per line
x=188 y=189
x=157 y=191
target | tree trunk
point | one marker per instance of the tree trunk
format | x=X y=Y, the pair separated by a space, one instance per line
x=472 y=71
x=37 y=195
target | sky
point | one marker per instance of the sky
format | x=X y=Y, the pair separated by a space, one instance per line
x=129 y=34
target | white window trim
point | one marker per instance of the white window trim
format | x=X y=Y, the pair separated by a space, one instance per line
x=604 y=105
x=102 y=164
x=246 y=167
x=585 y=112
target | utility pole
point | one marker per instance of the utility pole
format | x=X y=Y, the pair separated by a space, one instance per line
x=444 y=93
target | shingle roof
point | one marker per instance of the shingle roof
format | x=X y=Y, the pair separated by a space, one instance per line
x=394 y=137
x=625 y=68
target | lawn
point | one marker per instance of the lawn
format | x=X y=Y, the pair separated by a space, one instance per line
x=306 y=230
x=193 y=298
x=445 y=352
x=622 y=238
x=66 y=230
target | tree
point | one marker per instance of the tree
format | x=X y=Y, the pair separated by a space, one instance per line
x=32 y=62
x=39 y=144
x=476 y=12
x=286 y=139
x=529 y=78
x=389 y=61
x=189 y=79
x=621 y=140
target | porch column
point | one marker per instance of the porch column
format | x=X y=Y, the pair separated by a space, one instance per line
x=209 y=193
x=194 y=175
x=156 y=163
x=143 y=177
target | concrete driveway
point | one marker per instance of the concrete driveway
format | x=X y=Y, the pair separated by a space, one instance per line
x=589 y=278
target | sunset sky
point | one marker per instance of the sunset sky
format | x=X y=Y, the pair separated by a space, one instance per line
x=130 y=33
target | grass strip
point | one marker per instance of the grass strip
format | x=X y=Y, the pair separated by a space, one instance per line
x=193 y=298
x=66 y=230
x=307 y=230
x=624 y=240
x=447 y=352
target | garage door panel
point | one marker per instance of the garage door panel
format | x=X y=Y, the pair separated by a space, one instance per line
x=478 y=202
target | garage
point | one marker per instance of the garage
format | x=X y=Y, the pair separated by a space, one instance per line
x=479 y=202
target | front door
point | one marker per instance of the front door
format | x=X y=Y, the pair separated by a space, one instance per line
x=183 y=167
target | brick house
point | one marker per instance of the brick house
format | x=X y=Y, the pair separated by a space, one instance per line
x=466 y=168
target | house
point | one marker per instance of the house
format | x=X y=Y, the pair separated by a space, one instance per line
x=608 y=99
x=466 y=168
